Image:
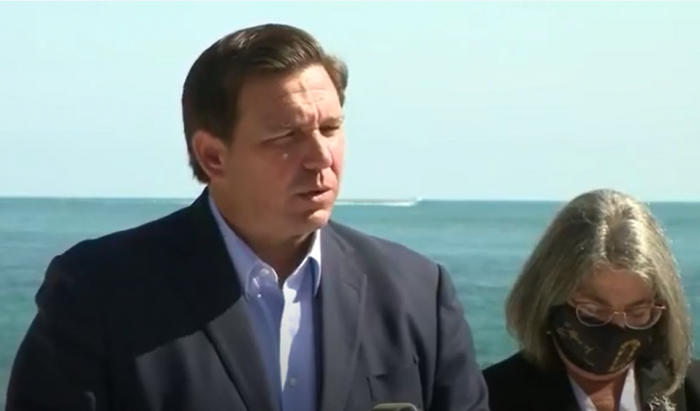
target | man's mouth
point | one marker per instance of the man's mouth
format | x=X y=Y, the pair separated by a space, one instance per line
x=313 y=194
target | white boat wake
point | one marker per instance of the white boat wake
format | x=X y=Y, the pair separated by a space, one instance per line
x=402 y=202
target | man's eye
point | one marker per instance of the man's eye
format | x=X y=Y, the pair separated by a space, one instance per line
x=329 y=129
x=283 y=137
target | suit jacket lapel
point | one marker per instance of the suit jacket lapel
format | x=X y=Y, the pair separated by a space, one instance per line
x=342 y=300
x=651 y=379
x=558 y=397
x=211 y=287
x=558 y=394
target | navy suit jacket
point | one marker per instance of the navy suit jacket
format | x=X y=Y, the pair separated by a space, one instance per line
x=152 y=318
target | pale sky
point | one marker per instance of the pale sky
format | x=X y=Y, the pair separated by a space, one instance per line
x=446 y=100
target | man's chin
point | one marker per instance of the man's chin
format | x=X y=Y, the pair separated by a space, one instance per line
x=318 y=218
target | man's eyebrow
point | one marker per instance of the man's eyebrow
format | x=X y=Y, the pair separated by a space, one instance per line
x=334 y=119
x=275 y=124
x=292 y=124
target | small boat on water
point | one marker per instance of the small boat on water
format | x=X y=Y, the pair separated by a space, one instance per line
x=387 y=202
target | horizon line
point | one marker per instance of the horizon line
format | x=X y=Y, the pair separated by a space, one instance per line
x=350 y=199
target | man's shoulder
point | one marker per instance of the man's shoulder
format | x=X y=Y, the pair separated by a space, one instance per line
x=389 y=265
x=378 y=248
x=124 y=246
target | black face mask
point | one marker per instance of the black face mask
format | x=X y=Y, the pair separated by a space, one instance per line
x=598 y=350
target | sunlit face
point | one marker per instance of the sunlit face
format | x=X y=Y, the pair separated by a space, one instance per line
x=281 y=173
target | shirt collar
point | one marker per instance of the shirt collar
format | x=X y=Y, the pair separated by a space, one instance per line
x=246 y=262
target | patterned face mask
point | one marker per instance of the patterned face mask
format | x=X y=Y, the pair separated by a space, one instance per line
x=599 y=350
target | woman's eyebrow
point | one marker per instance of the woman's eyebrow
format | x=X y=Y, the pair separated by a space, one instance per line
x=634 y=304
x=592 y=297
x=643 y=301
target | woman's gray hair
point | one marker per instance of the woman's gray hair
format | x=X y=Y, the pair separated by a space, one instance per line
x=600 y=228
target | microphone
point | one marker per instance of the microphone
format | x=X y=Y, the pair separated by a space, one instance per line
x=395 y=406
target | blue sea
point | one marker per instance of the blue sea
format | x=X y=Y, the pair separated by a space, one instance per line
x=482 y=244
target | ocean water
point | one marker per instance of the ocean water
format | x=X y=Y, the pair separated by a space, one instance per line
x=482 y=244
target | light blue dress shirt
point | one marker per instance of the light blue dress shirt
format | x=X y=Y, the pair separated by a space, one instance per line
x=282 y=318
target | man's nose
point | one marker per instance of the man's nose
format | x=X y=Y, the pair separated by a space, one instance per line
x=318 y=154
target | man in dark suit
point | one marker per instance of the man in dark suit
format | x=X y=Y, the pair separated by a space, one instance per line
x=250 y=298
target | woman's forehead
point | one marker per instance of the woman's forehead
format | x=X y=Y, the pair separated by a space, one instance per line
x=617 y=288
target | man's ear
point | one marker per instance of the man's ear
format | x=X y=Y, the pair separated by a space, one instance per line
x=210 y=153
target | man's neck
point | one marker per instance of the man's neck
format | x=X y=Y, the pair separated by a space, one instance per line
x=283 y=254
x=283 y=257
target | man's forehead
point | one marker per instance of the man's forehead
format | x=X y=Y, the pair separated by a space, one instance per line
x=312 y=80
x=290 y=111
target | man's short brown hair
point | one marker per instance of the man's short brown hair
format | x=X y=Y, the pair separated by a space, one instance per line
x=213 y=85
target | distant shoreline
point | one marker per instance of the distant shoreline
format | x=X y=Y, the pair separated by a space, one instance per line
x=345 y=201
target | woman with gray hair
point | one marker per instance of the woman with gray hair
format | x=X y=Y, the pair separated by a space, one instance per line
x=599 y=313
